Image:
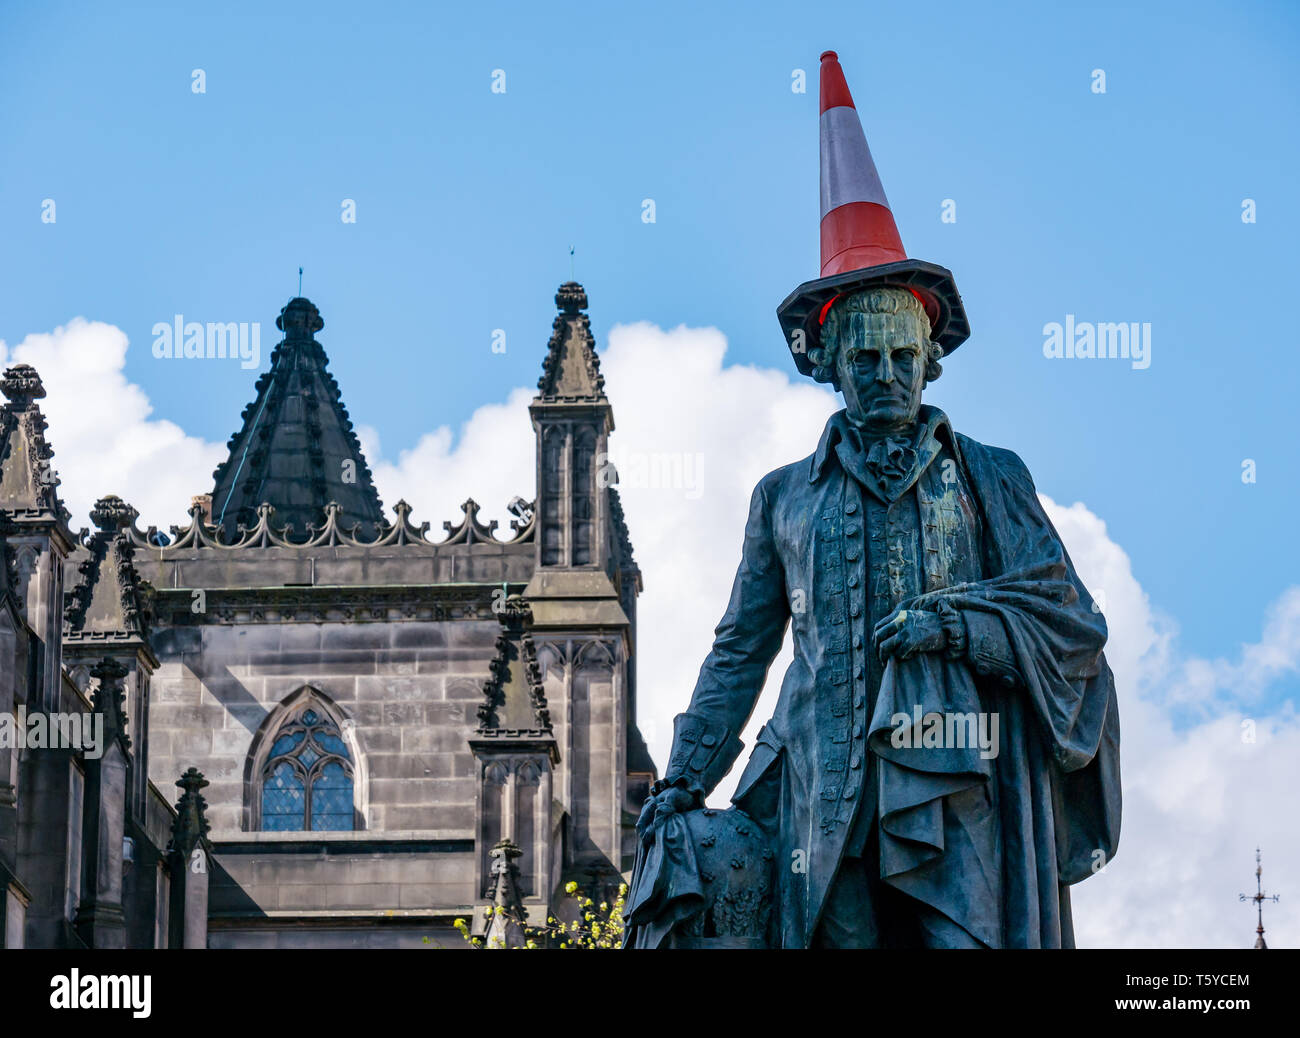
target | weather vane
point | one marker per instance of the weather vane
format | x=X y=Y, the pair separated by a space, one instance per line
x=300 y=282
x=1259 y=897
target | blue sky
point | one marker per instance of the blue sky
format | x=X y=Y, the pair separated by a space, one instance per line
x=1117 y=207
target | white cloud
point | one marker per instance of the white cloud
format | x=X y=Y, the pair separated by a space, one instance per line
x=104 y=440
x=1197 y=798
x=491 y=461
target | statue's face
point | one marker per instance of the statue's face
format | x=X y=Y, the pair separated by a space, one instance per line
x=881 y=366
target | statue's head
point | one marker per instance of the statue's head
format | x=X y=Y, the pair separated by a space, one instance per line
x=876 y=350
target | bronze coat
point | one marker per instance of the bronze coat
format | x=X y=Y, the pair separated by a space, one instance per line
x=1052 y=795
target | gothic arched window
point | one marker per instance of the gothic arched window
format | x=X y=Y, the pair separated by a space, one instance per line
x=307 y=778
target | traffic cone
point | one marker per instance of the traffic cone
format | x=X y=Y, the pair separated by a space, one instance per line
x=858 y=228
x=860 y=244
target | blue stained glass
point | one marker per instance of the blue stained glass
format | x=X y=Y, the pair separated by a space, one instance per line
x=283 y=801
x=331 y=800
x=315 y=744
x=286 y=743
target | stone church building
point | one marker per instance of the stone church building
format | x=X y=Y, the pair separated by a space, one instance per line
x=315 y=720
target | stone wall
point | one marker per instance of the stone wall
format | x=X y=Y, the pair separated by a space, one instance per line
x=410 y=690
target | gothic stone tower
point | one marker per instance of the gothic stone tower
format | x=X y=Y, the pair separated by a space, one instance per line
x=373 y=710
x=83 y=831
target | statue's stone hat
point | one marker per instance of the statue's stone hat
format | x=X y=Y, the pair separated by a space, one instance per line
x=860 y=243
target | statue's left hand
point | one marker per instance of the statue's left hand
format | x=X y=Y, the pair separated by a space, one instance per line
x=906 y=632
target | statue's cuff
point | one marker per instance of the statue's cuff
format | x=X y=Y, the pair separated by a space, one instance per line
x=703 y=751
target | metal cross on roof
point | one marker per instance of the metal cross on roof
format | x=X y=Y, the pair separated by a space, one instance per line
x=1259 y=897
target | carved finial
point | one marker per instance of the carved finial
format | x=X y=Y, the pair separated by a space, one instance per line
x=571 y=298
x=109 y=672
x=191 y=824
x=504 y=930
x=110 y=699
x=192 y=781
x=514 y=699
x=470 y=530
x=204 y=503
x=571 y=369
x=112 y=514
x=299 y=320
x=22 y=385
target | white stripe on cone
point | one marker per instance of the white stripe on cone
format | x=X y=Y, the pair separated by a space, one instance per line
x=848 y=173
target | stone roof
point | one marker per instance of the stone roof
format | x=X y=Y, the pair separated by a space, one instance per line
x=296 y=449
x=514 y=706
x=28 y=484
x=571 y=370
x=106 y=598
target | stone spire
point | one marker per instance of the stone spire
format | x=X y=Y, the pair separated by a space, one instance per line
x=110 y=700
x=296 y=449
x=27 y=479
x=571 y=370
x=101 y=920
x=505 y=928
x=108 y=600
x=36 y=525
x=515 y=754
x=190 y=854
x=514 y=705
x=573 y=419
x=190 y=826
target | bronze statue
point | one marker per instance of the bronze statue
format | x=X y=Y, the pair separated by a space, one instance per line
x=943 y=761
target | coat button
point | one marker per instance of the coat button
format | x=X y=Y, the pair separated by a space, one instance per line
x=853 y=529
x=856 y=611
x=853 y=580
x=857 y=732
x=849 y=794
x=857 y=643
x=851 y=554
x=851 y=507
x=856 y=763
x=860 y=702
x=858 y=673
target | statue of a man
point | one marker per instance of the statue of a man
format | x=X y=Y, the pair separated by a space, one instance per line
x=943 y=761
